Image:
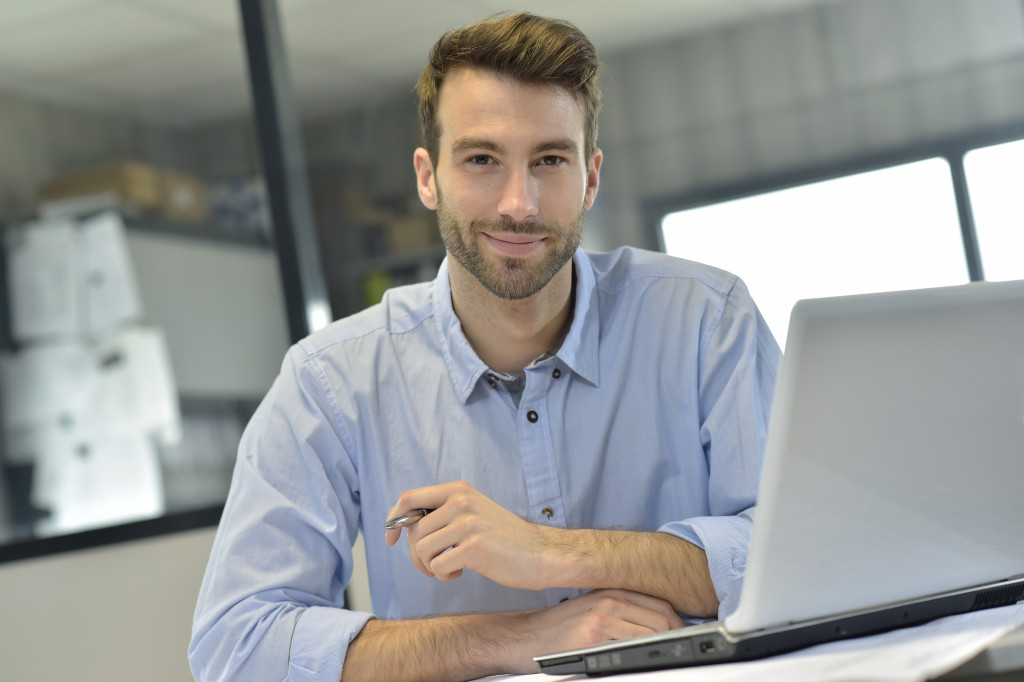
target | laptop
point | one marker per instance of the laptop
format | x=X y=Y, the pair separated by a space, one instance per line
x=891 y=486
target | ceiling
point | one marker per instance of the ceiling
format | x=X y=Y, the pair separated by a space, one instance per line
x=182 y=63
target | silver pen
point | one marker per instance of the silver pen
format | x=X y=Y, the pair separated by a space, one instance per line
x=406 y=519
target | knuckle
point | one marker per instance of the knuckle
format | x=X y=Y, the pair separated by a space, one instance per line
x=596 y=626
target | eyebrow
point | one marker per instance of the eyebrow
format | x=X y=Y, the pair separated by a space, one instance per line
x=565 y=145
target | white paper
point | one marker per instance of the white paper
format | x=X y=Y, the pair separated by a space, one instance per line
x=52 y=447
x=110 y=292
x=43 y=280
x=101 y=481
x=46 y=382
x=906 y=655
x=136 y=385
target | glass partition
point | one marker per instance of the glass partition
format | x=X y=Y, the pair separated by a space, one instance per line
x=143 y=310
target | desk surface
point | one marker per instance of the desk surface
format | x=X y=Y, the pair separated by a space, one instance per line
x=910 y=654
x=1002 y=660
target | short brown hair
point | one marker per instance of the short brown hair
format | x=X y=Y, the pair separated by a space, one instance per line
x=522 y=46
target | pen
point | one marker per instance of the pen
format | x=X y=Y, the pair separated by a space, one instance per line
x=406 y=519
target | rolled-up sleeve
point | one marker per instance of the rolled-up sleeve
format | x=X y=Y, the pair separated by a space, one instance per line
x=738 y=366
x=271 y=604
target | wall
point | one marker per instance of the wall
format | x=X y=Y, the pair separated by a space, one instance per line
x=221 y=307
x=803 y=88
x=121 y=613
x=112 y=614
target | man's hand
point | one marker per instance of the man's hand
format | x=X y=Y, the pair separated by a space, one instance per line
x=468 y=647
x=469 y=530
x=593 y=618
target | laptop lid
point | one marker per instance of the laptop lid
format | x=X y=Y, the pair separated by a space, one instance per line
x=890 y=490
x=895 y=455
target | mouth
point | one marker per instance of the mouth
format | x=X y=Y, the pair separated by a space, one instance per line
x=514 y=243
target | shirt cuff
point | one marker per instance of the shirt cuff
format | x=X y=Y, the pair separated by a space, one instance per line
x=320 y=642
x=725 y=540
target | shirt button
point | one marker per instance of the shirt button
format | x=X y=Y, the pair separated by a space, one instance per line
x=557 y=373
x=532 y=417
x=548 y=512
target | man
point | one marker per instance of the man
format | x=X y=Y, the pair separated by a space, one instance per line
x=533 y=396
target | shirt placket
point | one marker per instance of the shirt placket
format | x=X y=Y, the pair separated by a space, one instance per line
x=540 y=467
x=536 y=442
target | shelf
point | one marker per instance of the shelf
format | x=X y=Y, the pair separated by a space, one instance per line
x=208 y=230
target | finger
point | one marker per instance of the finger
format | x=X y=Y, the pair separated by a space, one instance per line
x=656 y=621
x=416 y=560
x=624 y=629
x=392 y=536
x=428 y=497
x=450 y=561
x=447 y=577
x=651 y=603
x=430 y=542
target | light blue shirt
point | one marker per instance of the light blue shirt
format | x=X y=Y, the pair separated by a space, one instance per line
x=651 y=416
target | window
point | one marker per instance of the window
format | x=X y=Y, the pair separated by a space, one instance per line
x=993 y=179
x=881 y=230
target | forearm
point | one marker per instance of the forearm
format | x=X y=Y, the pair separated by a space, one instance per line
x=446 y=648
x=658 y=564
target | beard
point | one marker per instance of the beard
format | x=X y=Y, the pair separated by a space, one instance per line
x=512 y=278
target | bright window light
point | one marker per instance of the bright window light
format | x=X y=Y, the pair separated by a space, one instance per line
x=994 y=181
x=883 y=230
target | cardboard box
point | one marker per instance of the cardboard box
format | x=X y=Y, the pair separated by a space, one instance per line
x=182 y=197
x=137 y=186
x=135 y=182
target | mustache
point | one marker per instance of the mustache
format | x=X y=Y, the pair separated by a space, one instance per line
x=506 y=224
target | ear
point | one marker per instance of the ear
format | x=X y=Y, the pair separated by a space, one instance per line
x=425 y=180
x=593 y=178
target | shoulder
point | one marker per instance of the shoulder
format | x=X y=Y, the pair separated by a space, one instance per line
x=402 y=311
x=627 y=267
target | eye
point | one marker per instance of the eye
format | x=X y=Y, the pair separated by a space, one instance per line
x=551 y=160
x=480 y=160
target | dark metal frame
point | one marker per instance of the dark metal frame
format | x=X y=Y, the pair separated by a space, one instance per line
x=952 y=149
x=284 y=168
x=138 y=530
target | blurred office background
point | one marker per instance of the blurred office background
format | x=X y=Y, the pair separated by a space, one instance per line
x=814 y=147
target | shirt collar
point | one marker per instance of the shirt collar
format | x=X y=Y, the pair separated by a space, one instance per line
x=579 y=349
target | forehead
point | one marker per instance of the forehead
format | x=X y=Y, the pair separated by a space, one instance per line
x=481 y=104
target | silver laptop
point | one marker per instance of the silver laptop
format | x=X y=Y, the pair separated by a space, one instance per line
x=891 y=488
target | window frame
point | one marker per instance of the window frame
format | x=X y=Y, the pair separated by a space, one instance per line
x=951 y=148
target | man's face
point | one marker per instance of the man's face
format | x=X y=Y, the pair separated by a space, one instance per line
x=510 y=184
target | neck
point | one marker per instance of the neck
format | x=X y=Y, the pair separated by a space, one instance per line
x=509 y=335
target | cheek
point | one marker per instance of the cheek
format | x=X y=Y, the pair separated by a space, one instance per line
x=473 y=198
x=565 y=195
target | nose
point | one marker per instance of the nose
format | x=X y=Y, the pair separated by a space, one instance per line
x=519 y=199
